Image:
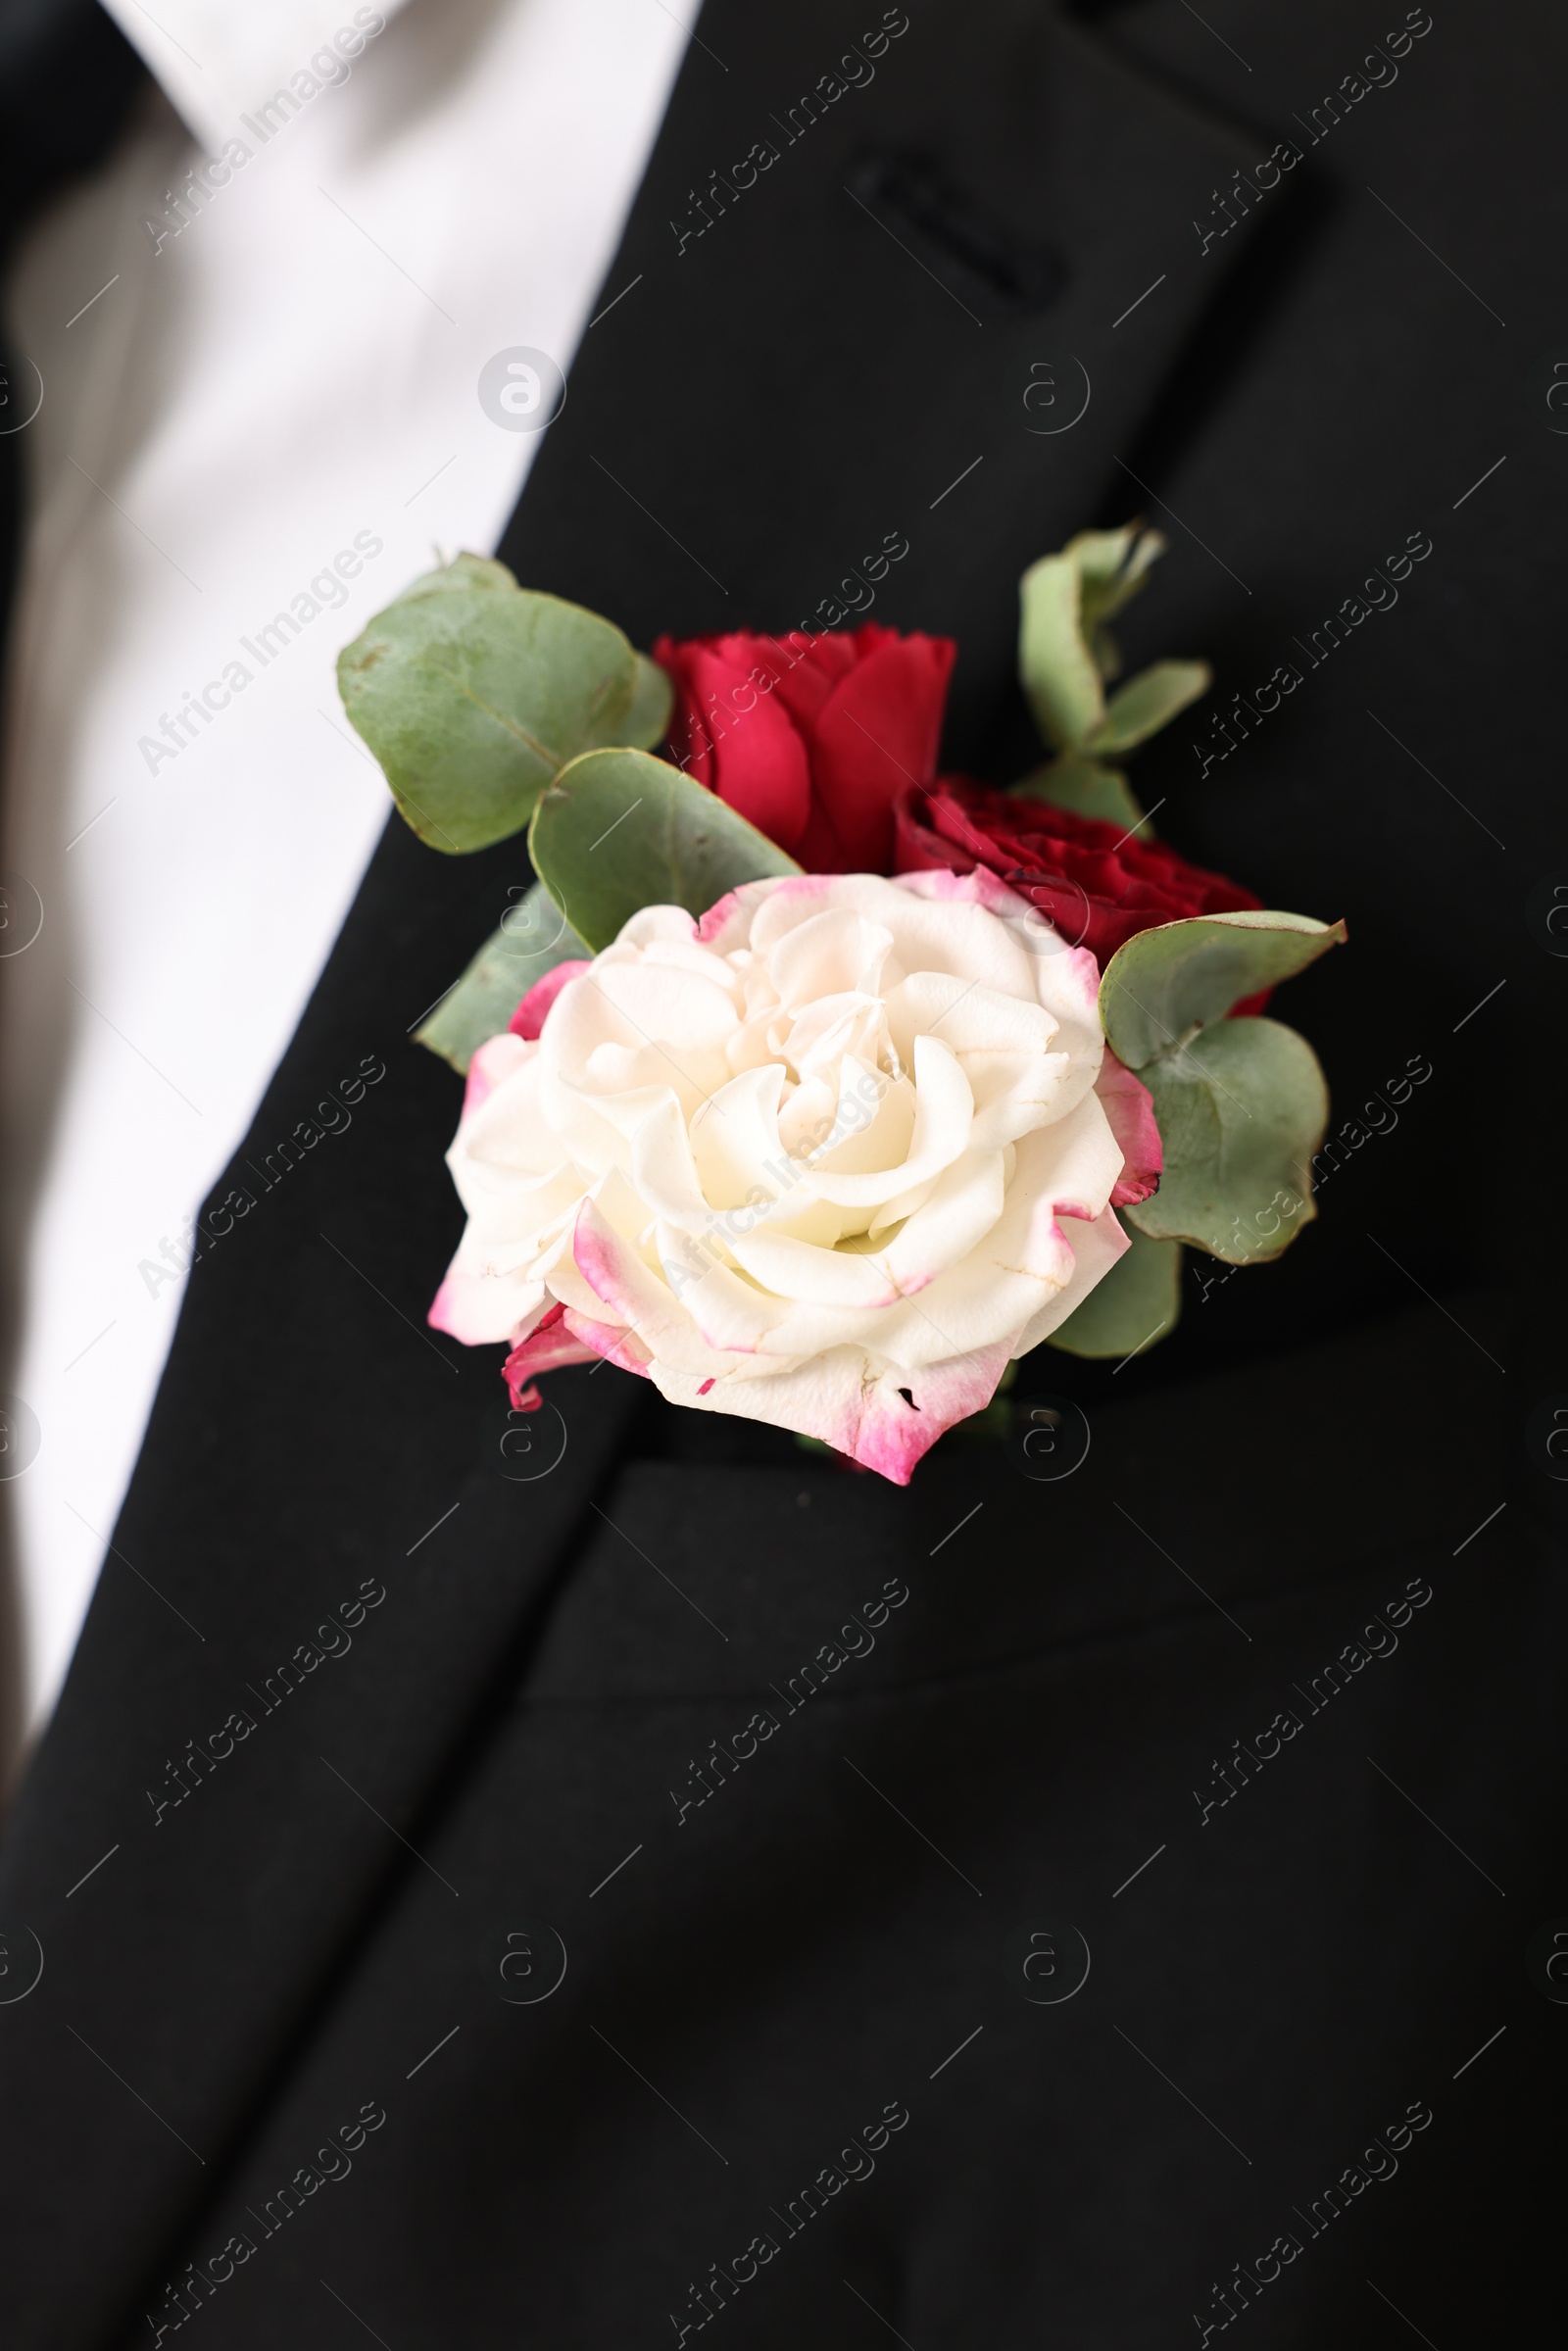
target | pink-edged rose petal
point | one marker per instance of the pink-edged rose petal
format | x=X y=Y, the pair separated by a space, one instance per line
x=829 y=1158
x=495 y=1059
x=548 y=1346
x=528 y=1019
x=609 y=1342
x=1129 y=1106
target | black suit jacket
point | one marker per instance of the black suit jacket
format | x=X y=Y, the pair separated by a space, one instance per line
x=653 y=1882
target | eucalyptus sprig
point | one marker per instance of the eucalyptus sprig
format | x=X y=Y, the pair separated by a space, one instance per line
x=491 y=706
x=1067 y=658
x=1240 y=1103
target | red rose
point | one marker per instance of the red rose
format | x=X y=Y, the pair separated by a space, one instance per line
x=811 y=738
x=1096 y=883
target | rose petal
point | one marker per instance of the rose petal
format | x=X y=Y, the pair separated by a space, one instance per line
x=529 y=1017
x=497 y=1059
x=1130 y=1108
x=1097 y=1246
x=758 y=766
x=1098 y=883
x=548 y=1346
x=887 y=1420
x=746 y=1156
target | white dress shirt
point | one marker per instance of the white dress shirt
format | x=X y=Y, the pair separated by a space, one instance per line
x=272 y=407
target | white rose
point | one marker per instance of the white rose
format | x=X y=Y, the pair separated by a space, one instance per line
x=806 y=1160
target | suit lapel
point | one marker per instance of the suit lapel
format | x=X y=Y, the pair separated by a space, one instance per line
x=327 y=1567
x=910 y=327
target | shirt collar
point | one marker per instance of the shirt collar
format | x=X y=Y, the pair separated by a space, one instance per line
x=216 y=60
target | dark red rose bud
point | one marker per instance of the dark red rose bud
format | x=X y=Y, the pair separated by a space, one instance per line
x=1096 y=883
x=811 y=738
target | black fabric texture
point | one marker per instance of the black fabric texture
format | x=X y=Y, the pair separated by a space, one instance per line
x=1010 y=1986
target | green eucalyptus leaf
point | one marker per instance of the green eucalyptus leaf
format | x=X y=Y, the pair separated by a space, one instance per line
x=533 y=938
x=1136 y=1302
x=1085 y=788
x=1100 y=555
x=1066 y=652
x=1057 y=670
x=1148 y=702
x=472 y=693
x=1116 y=565
x=1168 y=982
x=1106 y=653
x=619 y=831
x=647 y=720
x=464 y=572
x=1241 y=1112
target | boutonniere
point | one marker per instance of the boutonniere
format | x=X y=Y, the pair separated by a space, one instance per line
x=808 y=1083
